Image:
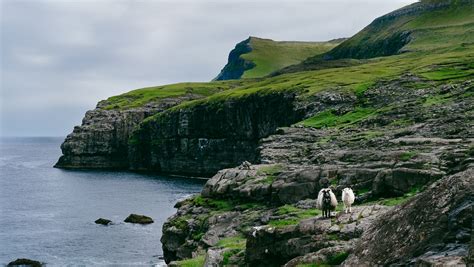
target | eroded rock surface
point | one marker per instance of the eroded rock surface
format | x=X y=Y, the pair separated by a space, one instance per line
x=102 y=141
x=435 y=228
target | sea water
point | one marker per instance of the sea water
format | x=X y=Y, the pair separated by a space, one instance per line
x=48 y=214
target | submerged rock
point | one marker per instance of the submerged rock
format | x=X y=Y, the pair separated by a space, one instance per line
x=25 y=262
x=103 y=221
x=140 y=219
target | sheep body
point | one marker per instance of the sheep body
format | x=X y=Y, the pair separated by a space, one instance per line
x=326 y=201
x=348 y=199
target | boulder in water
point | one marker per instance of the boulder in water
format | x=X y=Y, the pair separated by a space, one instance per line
x=140 y=219
x=103 y=221
x=25 y=262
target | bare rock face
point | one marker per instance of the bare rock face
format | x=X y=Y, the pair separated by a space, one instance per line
x=312 y=240
x=101 y=142
x=435 y=228
x=205 y=138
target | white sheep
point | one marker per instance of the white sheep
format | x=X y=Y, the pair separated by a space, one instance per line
x=326 y=201
x=347 y=198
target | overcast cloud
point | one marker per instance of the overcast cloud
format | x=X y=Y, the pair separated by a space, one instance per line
x=59 y=58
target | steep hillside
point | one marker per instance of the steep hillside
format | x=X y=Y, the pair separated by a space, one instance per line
x=427 y=26
x=256 y=57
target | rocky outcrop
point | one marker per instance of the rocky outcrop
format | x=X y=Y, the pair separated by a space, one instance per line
x=204 y=138
x=25 y=262
x=103 y=221
x=236 y=65
x=275 y=246
x=435 y=228
x=101 y=142
x=139 y=219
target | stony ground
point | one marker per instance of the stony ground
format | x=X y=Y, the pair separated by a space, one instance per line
x=265 y=215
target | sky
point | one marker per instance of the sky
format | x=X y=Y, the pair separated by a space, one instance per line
x=60 y=57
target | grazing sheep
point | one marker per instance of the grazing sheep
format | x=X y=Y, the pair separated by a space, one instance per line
x=348 y=198
x=327 y=202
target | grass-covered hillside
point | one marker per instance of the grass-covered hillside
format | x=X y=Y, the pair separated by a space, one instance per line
x=440 y=48
x=269 y=56
x=435 y=25
x=429 y=27
x=257 y=57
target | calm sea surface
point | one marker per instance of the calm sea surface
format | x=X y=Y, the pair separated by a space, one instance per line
x=48 y=214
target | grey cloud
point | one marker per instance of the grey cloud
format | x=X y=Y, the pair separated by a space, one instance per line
x=61 y=57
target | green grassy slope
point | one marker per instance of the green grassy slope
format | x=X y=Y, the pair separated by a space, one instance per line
x=257 y=57
x=441 y=49
x=140 y=97
x=269 y=56
x=405 y=29
x=421 y=27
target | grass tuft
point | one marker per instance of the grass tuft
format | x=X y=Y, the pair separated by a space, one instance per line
x=194 y=262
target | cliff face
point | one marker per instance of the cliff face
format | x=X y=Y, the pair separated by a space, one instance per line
x=203 y=139
x=236 y=65
x=101 y=142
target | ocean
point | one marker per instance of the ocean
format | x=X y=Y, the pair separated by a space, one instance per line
x=48 y=214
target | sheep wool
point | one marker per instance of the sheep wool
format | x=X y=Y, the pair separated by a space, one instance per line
x=319 y=202
x=348 y=199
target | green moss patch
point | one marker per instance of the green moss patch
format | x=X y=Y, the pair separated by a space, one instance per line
x=436 y=100
x=337 y=258
x=293 y=215
x=270 y=172
x=234 y=242
x=233 y=245
x=360 y=89
x=329 y=119
x=395 y=201
x=405 y=156
x=194 y=262
x=215 y=204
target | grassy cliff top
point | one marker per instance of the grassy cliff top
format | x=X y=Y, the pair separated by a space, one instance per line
x=143 y=96
x=269 y=56
x=257 y=57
